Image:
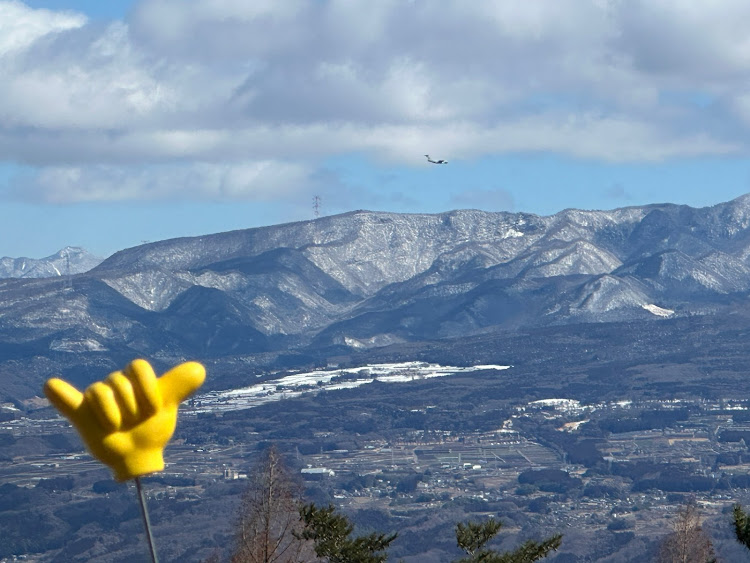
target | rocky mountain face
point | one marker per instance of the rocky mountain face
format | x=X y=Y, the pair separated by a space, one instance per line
x=68 y=261
x=364 y=280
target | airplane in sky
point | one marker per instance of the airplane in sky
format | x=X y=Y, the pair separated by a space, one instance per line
x=441 y=161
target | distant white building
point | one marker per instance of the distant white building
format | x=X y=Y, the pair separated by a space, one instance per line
x=232 y=474
x=318 y=472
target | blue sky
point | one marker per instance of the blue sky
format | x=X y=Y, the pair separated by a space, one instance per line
x=123 y=122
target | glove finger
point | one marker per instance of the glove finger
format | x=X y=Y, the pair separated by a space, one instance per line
x=65 y=398
x=102 y=400
x=143 y=379
x=124 y=395
x=181 y=381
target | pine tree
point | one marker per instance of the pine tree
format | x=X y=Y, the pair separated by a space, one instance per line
x=741 y=525
x=269 y=516
x=688 y=542
x=472 y=537
x=331 y=534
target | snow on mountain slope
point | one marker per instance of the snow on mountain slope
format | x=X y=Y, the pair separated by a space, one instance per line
x=363 y=280
x=609 y=293
x=153 y=290
x=371 y=278
x=68 y=261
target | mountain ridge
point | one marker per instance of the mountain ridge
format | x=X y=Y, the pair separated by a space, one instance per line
x=363 y=280
x=65 y=262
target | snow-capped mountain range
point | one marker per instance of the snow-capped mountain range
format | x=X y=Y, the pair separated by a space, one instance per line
x=473 y=269
x=368 y=279
x=68 y=261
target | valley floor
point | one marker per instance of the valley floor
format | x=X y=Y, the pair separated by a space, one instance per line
x=609 y=476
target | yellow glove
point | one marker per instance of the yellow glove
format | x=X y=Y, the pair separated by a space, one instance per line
x=127 y=419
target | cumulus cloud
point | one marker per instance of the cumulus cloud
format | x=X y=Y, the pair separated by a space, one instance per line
x=232 y=84
x=20 y=27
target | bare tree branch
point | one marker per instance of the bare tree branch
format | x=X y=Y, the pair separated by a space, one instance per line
x=688 y=542
x=269 y=516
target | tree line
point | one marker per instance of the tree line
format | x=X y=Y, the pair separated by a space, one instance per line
x=274 y=524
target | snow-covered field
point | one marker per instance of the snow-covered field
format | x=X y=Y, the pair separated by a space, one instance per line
x=299 y=383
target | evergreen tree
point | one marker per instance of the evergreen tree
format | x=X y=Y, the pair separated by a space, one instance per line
x=269 y=515
x=472 y=537
x=741 y=525
x=331 y=534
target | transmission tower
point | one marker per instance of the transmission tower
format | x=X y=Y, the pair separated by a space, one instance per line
x=316 y=205
x=68 y=284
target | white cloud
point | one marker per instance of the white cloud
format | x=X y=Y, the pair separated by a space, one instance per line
x=231 y=83
x=20 y=26
x=259 y=181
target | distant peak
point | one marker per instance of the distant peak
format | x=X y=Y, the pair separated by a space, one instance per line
x=66 y=261
x=744 y=200
x=70 y=250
